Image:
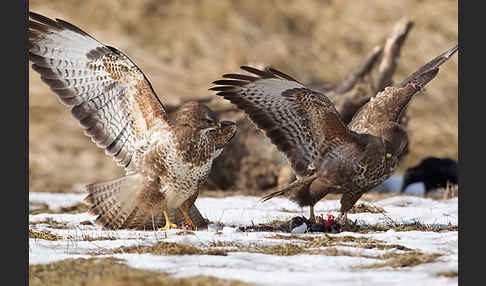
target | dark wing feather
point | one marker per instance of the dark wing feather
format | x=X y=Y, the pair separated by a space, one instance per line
x=302 y=123
x=389 y=104
x=108 y=94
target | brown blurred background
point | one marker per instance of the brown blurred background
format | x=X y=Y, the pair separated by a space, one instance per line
x=182 y=46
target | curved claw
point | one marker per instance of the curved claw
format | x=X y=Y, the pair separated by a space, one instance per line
x=189 y=223
x=169 y=226
x=191 y=226
x=168 y=223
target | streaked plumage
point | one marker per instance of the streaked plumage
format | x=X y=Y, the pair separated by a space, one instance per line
x=166 y=156
x=326 y=155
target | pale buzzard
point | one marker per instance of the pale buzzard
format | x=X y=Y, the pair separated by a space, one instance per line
x=326 y=155
x=166 y=156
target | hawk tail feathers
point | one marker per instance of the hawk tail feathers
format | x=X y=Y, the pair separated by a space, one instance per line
x=113 y=201
x=292 y=188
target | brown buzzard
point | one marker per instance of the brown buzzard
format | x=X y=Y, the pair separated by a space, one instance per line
x=166 y=156
x=326 y=155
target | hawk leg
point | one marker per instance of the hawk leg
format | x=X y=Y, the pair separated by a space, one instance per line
x=188 y=219
x=343 y=218
x=347 y=202
x=312 y=216
x=168 y=224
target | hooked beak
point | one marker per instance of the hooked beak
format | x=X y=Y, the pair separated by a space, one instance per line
x=227 y=126
x=230 y=124
x=214 y=127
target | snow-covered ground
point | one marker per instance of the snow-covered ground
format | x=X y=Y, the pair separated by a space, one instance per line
x=265 y=269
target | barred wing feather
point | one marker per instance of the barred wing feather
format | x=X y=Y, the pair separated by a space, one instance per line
x=302 y=123
x=108 y=94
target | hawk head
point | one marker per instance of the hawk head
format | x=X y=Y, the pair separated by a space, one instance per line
x=198 y=116
x=391 y=138
x=195 y=115
x=224 y=134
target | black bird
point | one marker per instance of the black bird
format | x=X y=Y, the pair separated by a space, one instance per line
x=433 y=172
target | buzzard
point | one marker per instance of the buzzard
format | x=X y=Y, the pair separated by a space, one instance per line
x=326 y=155
x=166 y=156
x=433 y=172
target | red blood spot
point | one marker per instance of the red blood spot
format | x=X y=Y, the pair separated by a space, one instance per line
x=330 y=220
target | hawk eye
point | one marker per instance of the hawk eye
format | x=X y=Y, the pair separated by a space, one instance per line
x=209 y=121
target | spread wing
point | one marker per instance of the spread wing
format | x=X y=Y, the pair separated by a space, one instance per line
x=302 y=123
x=108 y=94
x=389 y=104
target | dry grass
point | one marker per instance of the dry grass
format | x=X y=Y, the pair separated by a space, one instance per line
x=52 y=223
x=410 y=259
x=365 y=208
x=87 y=237
x=352 y=226
x=327 y=240
x=415 y=226
x=449 y=192
x=327 y=245
x=183 y=46
x=449 y=274
x=322 y=245
x=83 y=237
x=352 y=241
x=111 y=271
x=43 y=235
x=44 y=208
x=289 y=237
x=168 y=248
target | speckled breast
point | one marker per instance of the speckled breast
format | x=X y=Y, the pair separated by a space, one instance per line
x=368 y=176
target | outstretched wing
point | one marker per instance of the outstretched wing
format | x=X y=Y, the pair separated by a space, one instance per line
x=389 y=104
x=109 y=95
x=302 y=123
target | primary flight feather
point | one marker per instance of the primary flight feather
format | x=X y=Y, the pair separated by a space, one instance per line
x=326 y=155
x=166 y=156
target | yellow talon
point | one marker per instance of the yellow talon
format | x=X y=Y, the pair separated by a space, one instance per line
x=168 y=224
x=188 y=220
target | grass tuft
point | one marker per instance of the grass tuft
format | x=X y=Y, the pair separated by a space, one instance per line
x=44 y=208
x=52 y=223
x=111 y=271
x=450 y=191
x=365 y=208
x=415 y=226
x=43 y=235
x=449 y=274
x=408 y=259
x=168 y=248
